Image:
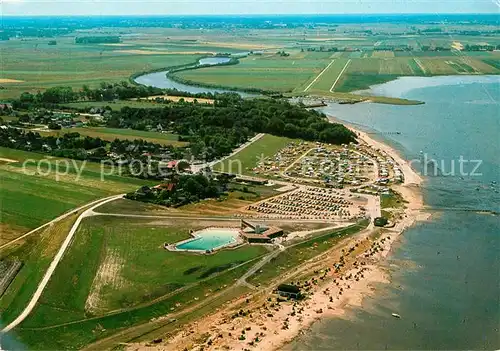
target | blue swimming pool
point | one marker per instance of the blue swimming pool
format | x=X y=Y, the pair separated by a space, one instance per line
x=210 y=239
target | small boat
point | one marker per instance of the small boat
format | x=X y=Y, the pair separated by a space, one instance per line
x=395 y=315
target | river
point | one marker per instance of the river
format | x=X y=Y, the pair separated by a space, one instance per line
x=160 y=79
x=445 y=273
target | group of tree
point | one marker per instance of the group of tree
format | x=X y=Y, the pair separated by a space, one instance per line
x=69 y=145
x=215 y=131
x=104 y=39
x=105 y=92
x=184 y=189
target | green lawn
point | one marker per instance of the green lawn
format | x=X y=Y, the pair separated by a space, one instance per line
x=119 y=133
x=117 y=263
x=244 y=161
x=122 y=265
x=29 y=199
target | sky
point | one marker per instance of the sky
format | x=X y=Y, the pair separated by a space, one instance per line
x=210 y=7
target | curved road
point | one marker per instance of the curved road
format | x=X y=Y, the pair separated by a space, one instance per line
x=56 y=260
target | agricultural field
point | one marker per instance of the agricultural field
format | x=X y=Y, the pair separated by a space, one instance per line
x=268 y=71
x=111 y=134
x=244 y=161
x=29 y=198
x=37 y=66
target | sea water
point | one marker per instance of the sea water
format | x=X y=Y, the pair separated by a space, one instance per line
x=445 y=273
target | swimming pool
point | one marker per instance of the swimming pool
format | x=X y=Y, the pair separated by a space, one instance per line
x=210 y=239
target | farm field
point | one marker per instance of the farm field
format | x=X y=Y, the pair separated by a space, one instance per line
x=111 y=134
x=268 y=71
x=329 y=76
x=244 y=161
x=39 y=66
x=30 y=199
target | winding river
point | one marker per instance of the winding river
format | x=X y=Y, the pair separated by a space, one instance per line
x=160 y=79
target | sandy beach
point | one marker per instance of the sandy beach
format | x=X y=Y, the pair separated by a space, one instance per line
x=266 y=324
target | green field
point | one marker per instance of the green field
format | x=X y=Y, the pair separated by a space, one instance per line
x=29 y=199
x=244 y=161
x=268 y=71
x=117 y=274
x=111 y=134
x=297 y=72
x=326 y=80
x=40 y=66
x=117 y=263
x=36 y=253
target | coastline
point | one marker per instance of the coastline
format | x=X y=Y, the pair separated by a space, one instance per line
x=275 y=325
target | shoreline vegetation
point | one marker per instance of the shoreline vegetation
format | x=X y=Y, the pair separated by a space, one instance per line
x=354 y=283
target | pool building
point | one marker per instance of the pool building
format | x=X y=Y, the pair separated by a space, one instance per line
x=209 y=240
x=258 y=233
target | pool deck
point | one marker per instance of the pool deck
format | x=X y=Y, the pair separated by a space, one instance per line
x=238 y=241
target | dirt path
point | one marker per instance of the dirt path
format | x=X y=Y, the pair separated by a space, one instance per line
x=54 y=220
x=54 y=263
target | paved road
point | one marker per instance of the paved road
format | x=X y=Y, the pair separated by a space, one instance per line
x=55 y=262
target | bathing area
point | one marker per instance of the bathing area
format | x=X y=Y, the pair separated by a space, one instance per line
x=208 y=240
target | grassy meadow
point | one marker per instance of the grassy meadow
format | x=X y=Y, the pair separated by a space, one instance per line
x=111 y=134
x=38 y=66
x=244 y=161
x=117 y=263
x=116 y=274
x=28 y=198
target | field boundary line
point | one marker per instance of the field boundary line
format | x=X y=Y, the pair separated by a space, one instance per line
x=53 y=265
x=340 y=75
x=319 y=75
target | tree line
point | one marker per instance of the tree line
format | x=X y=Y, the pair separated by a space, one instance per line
x=184 y=189
x=51 y=97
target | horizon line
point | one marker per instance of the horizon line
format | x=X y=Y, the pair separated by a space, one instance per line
x=258 y=14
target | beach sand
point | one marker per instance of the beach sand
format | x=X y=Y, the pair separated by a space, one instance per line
x=269 y=325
